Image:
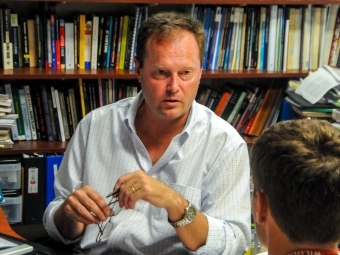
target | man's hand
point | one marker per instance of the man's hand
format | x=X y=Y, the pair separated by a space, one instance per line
x=141 y=186
x=84 y=206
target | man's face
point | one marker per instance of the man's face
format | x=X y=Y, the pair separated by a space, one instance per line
x=170 y=76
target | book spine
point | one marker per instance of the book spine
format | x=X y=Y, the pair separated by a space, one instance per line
x=73 y=108
x=47 y=116
x=17 y=108
x=40 y=115
x=39 y=40
x=14 y=129
x=88 y=44
x=63 y=111
x=53 y=41
x=48 y=65
x=60 y=118
x=124 y=41
x=100 y=41
x=57 y=42
x=69 y=46
x=62 y=44
x=30 y=112
x=76 y=41
x=15 y=42
x=25 y=116
x=94 y=43
x=55 y=113
x=82 y=24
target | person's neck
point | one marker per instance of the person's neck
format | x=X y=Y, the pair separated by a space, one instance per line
x=312 y=252
x=303 y=249
x=161 y=128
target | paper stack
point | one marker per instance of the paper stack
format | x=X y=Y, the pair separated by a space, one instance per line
x=7 y=121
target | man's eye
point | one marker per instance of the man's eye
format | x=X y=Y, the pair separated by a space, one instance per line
x=161 y=72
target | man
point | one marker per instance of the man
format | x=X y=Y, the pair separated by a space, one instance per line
x=296 y=200
x=181 y=171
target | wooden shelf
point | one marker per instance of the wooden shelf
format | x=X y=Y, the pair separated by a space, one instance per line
x=29 y=147
x=231 y=2
x=37 y=73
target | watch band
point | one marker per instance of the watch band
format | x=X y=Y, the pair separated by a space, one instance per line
x=189 y=216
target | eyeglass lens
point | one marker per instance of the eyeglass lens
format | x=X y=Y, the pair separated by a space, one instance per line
x=106 y=228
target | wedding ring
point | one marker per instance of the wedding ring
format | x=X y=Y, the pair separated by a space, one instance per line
x=133 y=189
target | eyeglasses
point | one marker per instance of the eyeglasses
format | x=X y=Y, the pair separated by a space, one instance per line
x=106 y=228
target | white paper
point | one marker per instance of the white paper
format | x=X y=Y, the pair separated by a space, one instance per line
x=5 y=243
x=318 y=83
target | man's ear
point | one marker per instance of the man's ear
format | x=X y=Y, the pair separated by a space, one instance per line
x=261 y=207
x=137 y=68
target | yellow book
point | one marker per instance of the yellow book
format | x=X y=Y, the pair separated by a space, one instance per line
x=124 y=42
x=82 y=23
x=82 y=99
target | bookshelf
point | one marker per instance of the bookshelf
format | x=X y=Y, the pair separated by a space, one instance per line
x=27 y=6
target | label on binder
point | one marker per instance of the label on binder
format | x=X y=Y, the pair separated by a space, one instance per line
x=32 y=180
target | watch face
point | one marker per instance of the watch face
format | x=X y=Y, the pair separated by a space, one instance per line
x=191 y=213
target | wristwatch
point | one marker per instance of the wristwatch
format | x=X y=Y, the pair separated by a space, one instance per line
x=189 y=216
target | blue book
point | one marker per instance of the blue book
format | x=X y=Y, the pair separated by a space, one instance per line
x=108 y=56
x=208 y=27
x=53 y=45
x=219 y=38
x=52 y=164
x=287 y=112
x=214 y=38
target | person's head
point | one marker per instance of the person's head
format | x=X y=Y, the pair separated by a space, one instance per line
x=170 y=50
x=296 y=176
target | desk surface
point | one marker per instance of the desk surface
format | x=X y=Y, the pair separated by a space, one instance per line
x=5 y=227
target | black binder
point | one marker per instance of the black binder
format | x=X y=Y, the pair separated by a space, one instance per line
x=33 y=167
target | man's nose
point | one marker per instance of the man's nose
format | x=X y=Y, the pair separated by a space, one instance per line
x=173 y=84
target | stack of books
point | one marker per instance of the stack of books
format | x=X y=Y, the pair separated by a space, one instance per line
x=7 y=121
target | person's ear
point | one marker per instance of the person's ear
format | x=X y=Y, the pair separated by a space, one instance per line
x=137 y=68
x=261 y=207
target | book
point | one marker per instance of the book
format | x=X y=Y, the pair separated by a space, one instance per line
x=124 y=38
x=88 y=44
x=73 y=107
x=57 y=42
x=62 y=43
x=39 y=41
x=32 y=43
x=227 y=91
x=107 y=41
x=14 y=129
x=81 y=42
x=37 y=98
x=272 y=37
x=69 y=45
x=25 y=116
x=94 y=43
x=30 y=112
x=264 y=110
x=101 y=29
x=315 y=33
x=17 y=107
x=60 y=121
x=231 y=104
x=15 y=39
x=64 y=114
x=47 y=114
x=236 y=108
x=134 y=38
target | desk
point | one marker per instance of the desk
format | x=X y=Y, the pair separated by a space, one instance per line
x=5 y=227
